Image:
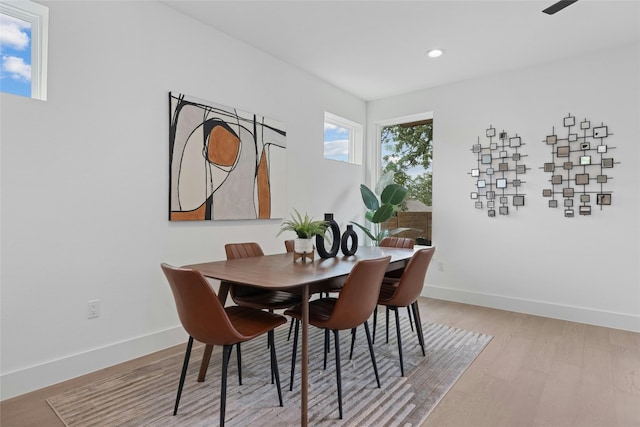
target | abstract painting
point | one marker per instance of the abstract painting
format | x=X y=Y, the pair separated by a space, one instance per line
x=224 y=164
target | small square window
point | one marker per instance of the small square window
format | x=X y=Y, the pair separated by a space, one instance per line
x=343 y=139
x=26 y=55
x=549 y=167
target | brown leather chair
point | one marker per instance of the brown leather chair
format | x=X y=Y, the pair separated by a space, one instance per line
x=390 y=276
x=206 y=320
x=352 y=308
x=253 y=297
x=405 y=293
x=397 y=242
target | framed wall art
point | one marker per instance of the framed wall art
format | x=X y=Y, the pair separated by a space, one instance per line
x=224 y=164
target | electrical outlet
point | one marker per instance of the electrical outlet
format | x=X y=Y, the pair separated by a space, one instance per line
x=441 y=266
x=93 y=309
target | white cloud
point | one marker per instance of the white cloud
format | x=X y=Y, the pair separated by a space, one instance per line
x=336 y=148
x=16 y=68
x=12 y=35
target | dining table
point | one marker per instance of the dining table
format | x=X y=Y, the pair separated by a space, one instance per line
x=281 y=272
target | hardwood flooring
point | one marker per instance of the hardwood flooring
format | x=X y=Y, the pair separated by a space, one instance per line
x=535 y=372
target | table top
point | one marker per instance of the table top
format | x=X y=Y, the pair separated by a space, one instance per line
x=279 y=271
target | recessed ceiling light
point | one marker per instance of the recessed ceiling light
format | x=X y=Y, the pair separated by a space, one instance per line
x=434 y=53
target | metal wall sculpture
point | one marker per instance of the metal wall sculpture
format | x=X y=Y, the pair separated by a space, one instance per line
x=580 y=166
x=498 y=174
x=224 y=164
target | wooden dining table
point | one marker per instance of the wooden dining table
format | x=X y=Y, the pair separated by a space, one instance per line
x=280 y=272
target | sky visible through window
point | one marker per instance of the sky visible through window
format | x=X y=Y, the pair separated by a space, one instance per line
x=15 y=53
x=336 y=142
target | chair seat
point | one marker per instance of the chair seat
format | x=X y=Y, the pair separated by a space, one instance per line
x=387 y=290
x=275 y=300
x=251 y=323
x=319 y=311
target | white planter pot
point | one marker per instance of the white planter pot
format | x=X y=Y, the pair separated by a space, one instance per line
x=303 y=246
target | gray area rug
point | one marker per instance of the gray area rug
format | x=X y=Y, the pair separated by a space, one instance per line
x=145 y=396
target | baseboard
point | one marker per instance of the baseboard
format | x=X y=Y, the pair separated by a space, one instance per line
x=32 y=378
x=556 y=311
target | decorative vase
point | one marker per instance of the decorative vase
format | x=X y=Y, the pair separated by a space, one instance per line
x=335 y=246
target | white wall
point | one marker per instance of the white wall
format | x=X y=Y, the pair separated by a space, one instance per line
x=536 y=261
x=85 y=179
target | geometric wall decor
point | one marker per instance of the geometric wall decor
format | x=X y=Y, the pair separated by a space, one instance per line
x=580 y=167
x=224 y=163
x=498 y=173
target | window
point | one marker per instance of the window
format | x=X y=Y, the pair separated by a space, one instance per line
x=23 y=48
x=342 y=139
x=406 y=149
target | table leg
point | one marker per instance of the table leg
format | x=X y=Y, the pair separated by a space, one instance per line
x=305 y=356
x=223 y=291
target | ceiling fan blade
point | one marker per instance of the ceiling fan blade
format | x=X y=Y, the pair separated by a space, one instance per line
x=556 y=7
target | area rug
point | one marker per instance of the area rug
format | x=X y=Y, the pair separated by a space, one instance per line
x=145 y=396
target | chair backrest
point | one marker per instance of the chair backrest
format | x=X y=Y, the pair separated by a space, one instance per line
x=243 y=250
x=397 y=242
x=289 y=245
x=412 y=280
x=199 y=309
x=359 y=295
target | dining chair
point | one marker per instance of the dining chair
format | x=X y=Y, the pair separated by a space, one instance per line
x=390 y=276
x=249 y=296
x=352 y=308
x=206 y=320
x=405 y=293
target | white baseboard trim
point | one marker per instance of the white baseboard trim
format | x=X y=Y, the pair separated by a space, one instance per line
x=607 y=319
x=32 y=378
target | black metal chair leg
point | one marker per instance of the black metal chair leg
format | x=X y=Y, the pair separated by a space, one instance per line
x=416 y=315
x=326 y=349
x=399 y=341
x=373 y=356
x=410 y=319
x=387 y=325
x=293 y=355
x=226 y=355
x=353 y=341
x=375 y=321
x=274 y=364
x=239 y=357
x=290 y=328
x=185 y=365
x=338 y=373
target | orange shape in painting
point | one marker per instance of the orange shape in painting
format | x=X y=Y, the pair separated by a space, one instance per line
x=264 y=190
x=194 y=215
x=223 y=147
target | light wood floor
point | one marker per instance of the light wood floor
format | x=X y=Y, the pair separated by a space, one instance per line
x=535 y=372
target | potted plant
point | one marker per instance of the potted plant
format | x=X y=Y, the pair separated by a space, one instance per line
x=306 y=228
x=380 y=210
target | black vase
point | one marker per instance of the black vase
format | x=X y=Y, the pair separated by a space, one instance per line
x=335 y=246
x=349 y=234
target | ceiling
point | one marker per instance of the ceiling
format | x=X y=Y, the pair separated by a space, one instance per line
x=376 y=49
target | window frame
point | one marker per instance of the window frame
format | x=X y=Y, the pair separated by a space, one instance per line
x=38 y=16
x=356 y=137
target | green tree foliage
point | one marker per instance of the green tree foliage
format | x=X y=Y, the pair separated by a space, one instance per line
x=410 y=146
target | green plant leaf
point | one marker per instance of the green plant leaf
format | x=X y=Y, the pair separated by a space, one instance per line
x=369 y=216
x=393 y=194
x=382 y=214
x=370 y=200
x=363 y=228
